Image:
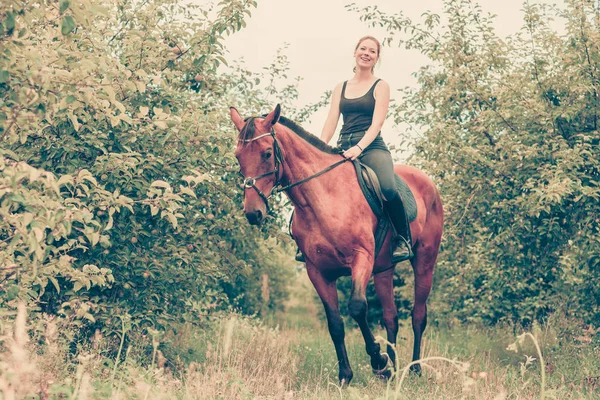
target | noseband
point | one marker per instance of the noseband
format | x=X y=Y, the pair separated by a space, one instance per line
x=250 y=182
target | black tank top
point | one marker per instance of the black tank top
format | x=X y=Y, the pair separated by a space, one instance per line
x=357 y=113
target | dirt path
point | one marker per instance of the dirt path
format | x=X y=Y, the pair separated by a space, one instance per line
x=301 y=310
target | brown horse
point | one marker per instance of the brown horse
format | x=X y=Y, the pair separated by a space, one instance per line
x=334 y=226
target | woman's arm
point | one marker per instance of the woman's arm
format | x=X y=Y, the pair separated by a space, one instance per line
x=382 y=102
x=333 y=116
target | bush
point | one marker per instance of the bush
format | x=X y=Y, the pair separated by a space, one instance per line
x=118 y=186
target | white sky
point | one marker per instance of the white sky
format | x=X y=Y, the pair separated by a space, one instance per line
x=322 y=34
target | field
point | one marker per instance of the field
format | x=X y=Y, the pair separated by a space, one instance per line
x=291 y=357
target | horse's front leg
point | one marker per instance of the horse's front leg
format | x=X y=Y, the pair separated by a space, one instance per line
x=328 y=293
x=361 y=273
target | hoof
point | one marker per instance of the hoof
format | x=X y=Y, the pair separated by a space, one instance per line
x=415 y=370
x=386 y=371
x=345 y=379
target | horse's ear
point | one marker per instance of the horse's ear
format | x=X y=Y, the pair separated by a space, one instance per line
x=235 y=117
x=272 y=118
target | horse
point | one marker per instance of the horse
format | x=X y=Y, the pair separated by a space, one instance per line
x=334 y=227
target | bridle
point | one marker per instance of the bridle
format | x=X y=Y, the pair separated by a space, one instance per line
x=250 y=182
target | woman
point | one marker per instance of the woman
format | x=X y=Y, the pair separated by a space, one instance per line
x=363 y=101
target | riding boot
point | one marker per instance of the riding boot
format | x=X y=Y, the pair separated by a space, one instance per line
x=402 y=244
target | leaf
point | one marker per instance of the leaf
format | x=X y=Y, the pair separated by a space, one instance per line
x=129 y=85
x=89 y=317
x=141 y=87
x=34 y=174
x=161 y=124
x=55 y=283
x=172 y=219
x=109 y=224
x=63 y=180
x=110 y=92
x=85 y=175
x=115 y=120
x=67 y=25
x=9 y=22
x=74 y=121
x=143 y=112
x=27 y=218
x=3 y=76
x=162 y=184
x=64 y=5
x=78 y=285
x=39 y=234
x=119 y=106
x=92 y=236
x=126 y=118
x=187 y=190
x=222 y=59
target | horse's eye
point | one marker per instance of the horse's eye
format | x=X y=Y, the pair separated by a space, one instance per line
x=267 y=154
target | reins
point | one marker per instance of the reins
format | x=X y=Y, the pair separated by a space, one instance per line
x=250 y=182
x=332 y=166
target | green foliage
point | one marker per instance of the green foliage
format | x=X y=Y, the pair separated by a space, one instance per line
x=509 y=130
x=118 y=186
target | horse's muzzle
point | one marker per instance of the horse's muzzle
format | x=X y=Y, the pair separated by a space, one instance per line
x=254 y=217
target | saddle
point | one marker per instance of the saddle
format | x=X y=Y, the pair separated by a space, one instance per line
x=369 y=184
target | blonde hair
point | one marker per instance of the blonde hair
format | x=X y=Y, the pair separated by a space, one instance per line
x=368 y=37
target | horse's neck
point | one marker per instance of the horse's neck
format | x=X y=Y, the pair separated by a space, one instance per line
x=303 y=160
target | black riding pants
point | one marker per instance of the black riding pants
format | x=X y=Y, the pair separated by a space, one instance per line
x=377 y=157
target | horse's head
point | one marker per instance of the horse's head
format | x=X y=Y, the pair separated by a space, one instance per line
x=259 y=156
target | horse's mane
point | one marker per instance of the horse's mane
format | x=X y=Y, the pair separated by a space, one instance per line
x=248 y=132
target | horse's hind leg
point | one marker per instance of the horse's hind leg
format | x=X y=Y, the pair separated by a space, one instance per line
x=423 y=263
x=361 y=273
x=327 y=291
x=384 y=287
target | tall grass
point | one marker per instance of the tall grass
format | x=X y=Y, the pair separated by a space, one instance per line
x=238 y=357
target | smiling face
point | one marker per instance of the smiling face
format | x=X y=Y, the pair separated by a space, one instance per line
x=366 y=53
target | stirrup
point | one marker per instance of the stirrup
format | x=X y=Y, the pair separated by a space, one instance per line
x=402 y=250
x=299 y=256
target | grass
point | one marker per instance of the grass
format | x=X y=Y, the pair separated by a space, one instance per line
x=292 y=357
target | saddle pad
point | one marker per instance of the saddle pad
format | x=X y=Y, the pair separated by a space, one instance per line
x=370 y=186
x=408 y=199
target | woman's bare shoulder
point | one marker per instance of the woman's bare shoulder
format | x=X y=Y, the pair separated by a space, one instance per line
x=383 y=83
x=338 y=87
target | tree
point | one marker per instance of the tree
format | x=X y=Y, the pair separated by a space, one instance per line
x=118 y=193
x=509 y=130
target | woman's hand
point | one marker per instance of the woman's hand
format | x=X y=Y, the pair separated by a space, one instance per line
x=352 y=153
